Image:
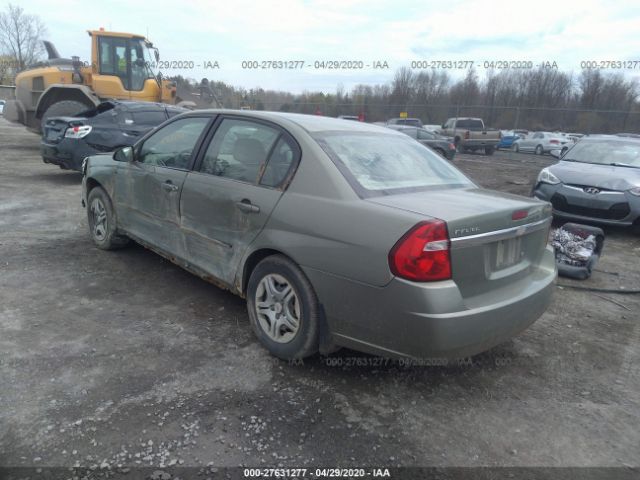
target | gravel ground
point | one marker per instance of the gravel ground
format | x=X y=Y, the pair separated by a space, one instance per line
x=116 y=360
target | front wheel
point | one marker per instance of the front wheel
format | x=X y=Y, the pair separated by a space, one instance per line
x=102 y=221
x=539 y=150
x=283 y=308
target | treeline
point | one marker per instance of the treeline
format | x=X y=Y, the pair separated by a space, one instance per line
x=539 y=99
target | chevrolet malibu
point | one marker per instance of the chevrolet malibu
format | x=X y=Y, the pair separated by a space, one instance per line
x=338 y=234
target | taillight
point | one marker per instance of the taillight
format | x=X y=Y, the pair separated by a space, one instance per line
x=519 y=214
x=422 y=254
x=79 y=131
x=555 y=142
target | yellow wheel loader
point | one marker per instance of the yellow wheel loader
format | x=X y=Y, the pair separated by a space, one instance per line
x=120 y=68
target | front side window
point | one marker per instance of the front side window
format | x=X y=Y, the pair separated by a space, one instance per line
x=382 y=164
x=239 y=149
x=173 y=145
x=113 y=58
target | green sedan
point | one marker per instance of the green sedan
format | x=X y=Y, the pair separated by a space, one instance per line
x=338 y=234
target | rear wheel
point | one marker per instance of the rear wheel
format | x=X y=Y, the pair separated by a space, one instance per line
x=102 y=221
x=65 y=108
x=539 y=150
x=283 y=308
x=488 y=150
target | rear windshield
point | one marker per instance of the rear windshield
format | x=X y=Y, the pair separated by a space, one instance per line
x=385 y=164
x=470 y=124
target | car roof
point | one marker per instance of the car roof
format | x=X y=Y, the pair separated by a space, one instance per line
x=310 y=123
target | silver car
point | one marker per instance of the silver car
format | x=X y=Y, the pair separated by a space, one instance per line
x=338 y=234
x=541 y=143
x=597 y=180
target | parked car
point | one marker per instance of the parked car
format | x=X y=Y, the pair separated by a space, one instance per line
x=66 y=141
x=541 y=143
x=597 y=180
x=2 y=103
x=411 y=122
x=506 y=139
x=471 y=134
x=437 y=143
x=336 y=233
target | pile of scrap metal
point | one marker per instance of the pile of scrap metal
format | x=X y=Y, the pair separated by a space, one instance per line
x=577 y=248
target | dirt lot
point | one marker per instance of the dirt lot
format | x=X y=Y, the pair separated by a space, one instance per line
x=122 y=358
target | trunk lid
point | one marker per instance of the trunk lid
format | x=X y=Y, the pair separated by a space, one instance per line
x=491 y=246
x=55 y=128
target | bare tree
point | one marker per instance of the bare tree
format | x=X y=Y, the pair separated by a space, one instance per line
x=21 y=35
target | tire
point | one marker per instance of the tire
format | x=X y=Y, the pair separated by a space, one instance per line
x=289 y=339
x=488 y=150
x=516 y=148
x=65 y=108
x=99 y=209
x=539 y=150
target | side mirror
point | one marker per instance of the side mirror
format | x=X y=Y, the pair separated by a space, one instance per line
x=556 y=153
x=124 y=154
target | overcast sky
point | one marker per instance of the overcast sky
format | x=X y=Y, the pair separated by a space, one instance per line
x=231 y=31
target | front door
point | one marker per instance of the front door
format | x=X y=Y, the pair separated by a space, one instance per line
x=148 y=189
x=228 y=199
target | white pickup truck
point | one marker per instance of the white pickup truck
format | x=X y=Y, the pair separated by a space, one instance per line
x=471 y=134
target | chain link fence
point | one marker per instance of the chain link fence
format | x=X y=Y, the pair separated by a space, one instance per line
x=579 y=120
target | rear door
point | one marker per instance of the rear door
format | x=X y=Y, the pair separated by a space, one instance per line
x=229 y=196
x=148 y=189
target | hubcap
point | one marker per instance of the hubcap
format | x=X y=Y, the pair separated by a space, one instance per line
x=99 y=217
x=278 y=308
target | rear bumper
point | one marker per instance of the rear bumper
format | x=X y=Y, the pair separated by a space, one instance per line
x=66 y=156
x=431 y=320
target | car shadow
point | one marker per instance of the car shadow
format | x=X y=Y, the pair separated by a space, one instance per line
x=65 y=177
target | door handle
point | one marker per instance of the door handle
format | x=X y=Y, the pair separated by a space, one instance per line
x=169 y=186
x=246 y=206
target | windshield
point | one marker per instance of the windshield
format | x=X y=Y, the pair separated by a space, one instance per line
x=605 y=152
x=384 y=163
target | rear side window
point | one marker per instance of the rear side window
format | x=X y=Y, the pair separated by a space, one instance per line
x=385 y=164
x=239 y=149
x=279 y=165
x=151 y=117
